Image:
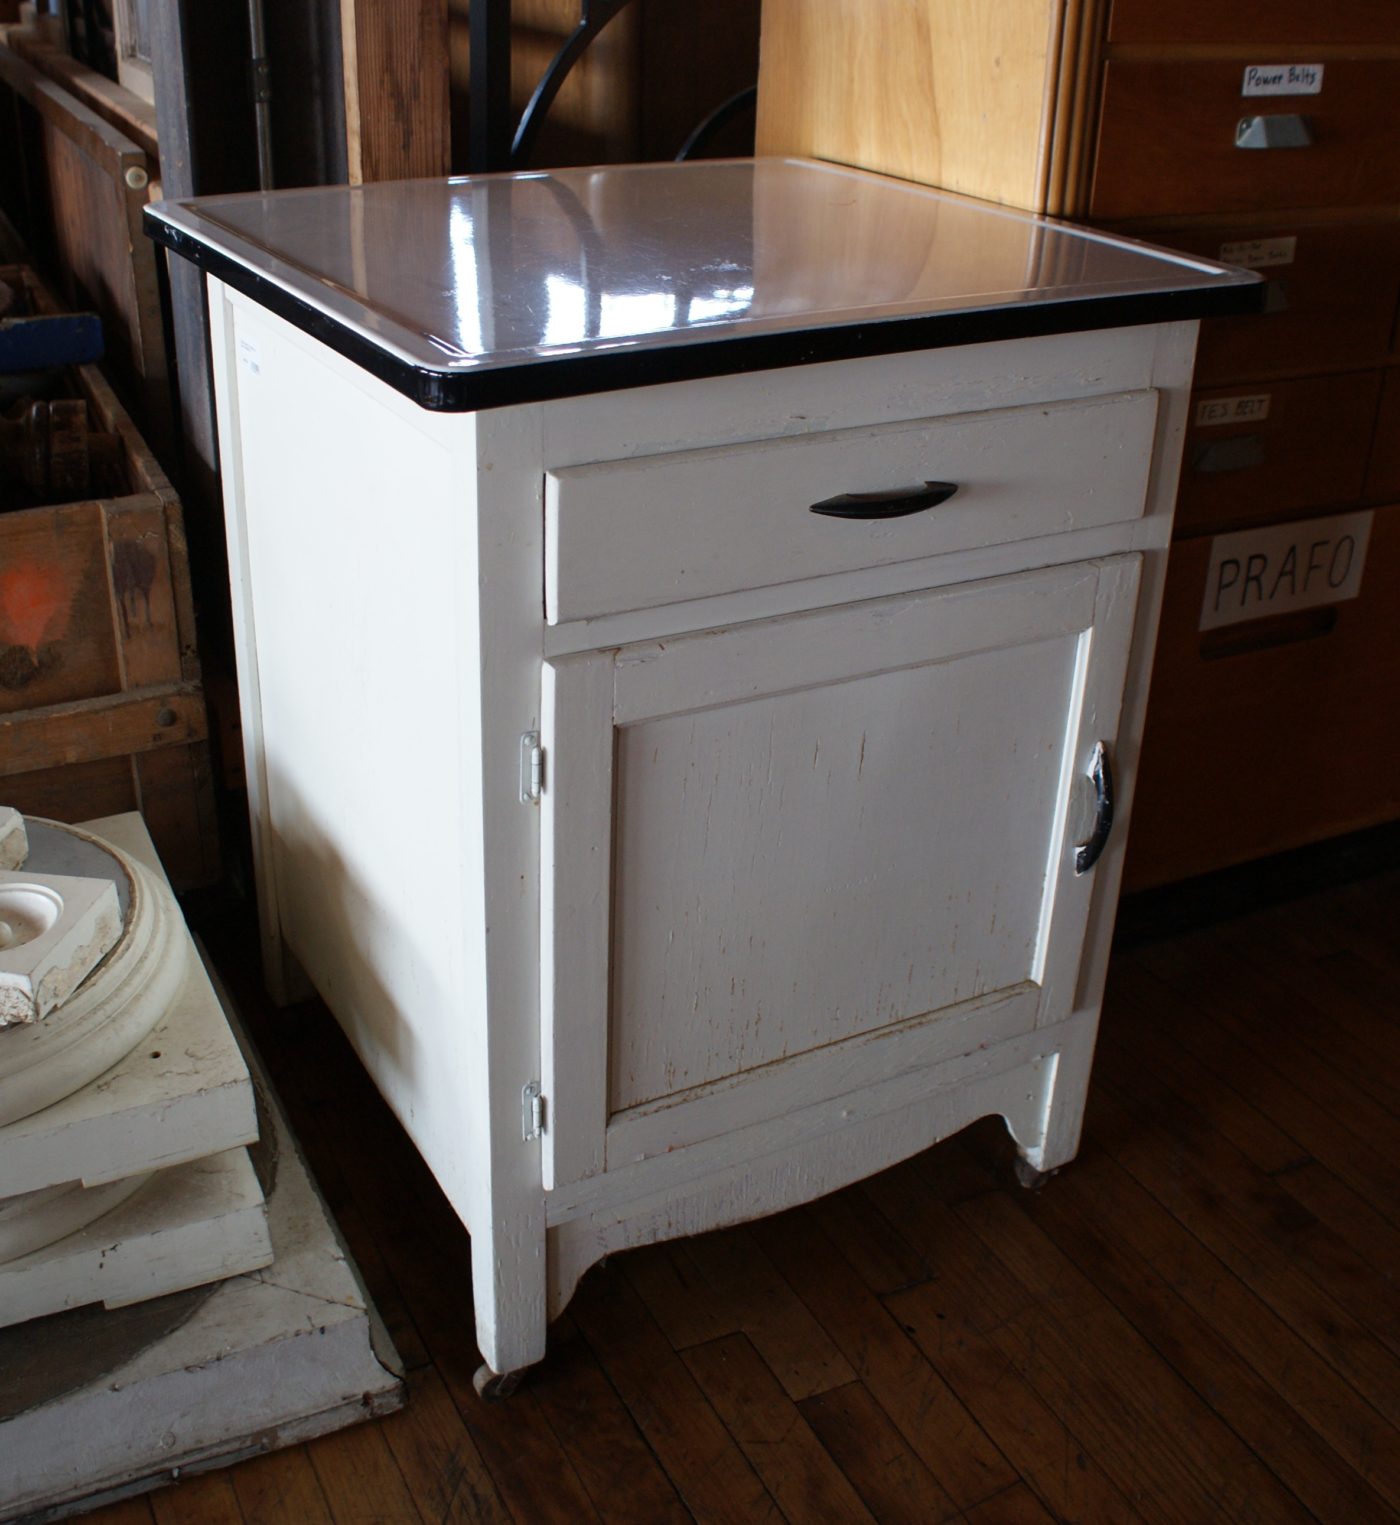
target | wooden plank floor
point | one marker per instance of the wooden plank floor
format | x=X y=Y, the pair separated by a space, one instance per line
x=1196 y=1322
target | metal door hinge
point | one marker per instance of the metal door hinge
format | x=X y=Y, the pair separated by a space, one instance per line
x=531 y=768
x=531 y=1111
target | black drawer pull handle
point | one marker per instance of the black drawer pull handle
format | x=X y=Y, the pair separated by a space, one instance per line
x=1086 y=855
x=886 y=505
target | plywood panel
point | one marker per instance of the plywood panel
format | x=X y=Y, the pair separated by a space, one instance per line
x=955 y=95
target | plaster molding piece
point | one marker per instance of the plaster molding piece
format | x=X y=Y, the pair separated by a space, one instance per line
x=266 y=1360
x=54 y=931
x=14 y=840
x=42 y=1062
x=182 y=1093
x=40 y=1218
x=193 y=1224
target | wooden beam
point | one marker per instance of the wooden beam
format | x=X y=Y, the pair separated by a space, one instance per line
x=397 y=125
x=115 y=725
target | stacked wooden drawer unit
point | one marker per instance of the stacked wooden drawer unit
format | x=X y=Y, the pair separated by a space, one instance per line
x=1275 y=713
x=1283 y=725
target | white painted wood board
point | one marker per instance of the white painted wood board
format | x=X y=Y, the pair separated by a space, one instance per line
x=398 y=555
x=188 y=1225
x=817 y=1149
x=266 y=1360
x=783 y=865
x=763 y=844
x=353 y=524
x=642 y=532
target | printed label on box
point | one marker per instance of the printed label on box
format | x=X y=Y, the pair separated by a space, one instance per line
x=1284 y=567
x=1260 y=253
x=1233 y=410
x=249 y=357
x=1282 y=79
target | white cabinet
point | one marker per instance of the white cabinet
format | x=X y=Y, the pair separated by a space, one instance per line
x=793 y=890
x=670 y=851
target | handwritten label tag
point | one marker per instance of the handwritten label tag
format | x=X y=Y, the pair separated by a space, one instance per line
x=1260 y=253
x=249 y=357
x=1282 y=79
x=1233 y=410
x=1284 y=567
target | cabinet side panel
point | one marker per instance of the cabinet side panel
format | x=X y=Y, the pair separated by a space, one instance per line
x=355 y=565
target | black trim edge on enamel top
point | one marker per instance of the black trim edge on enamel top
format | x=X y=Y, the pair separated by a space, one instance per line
x=550 y=380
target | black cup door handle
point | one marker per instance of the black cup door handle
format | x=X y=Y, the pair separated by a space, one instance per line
x=886 y=505
x=1086 y=854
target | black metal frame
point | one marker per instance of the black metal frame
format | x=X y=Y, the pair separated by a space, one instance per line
x=494 y=146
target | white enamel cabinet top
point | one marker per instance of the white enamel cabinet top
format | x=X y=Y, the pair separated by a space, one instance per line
x=497 y=289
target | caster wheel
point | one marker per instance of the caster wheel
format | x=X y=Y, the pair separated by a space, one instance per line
x=1031 y=1178
x=493 y=1387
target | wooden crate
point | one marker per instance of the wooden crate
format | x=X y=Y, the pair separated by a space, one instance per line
x=75 y=187
x=101 y=706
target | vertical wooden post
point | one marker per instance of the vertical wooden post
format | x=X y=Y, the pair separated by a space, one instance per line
x=396 y=89
x=175 y=133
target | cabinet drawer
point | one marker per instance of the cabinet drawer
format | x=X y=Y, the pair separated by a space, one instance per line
x=1262 y=21
x=1167 y=140
x=1383 y=478
x=660 y=529
x=1333 y=289
x=1281 y=446
x=1266 y=735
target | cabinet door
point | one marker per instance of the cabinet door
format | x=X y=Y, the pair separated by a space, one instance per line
x=788 y=860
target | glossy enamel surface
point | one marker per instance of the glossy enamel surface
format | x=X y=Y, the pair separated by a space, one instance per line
x=461 y=277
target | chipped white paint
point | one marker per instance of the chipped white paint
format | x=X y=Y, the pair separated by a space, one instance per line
x=38 y=1218
x=14 y=841
x=54 y=930
x=266 y=1359
x=42 y=1062
x=183 y=1092
x=132 y=1184
x=192 y=1224
x=641 y=532
x=701 y=697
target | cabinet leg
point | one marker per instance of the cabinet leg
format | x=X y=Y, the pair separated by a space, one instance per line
x=1029 y=1177
x=495 y=1386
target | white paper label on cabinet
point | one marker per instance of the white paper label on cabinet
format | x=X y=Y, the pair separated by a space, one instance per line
x=1284 y=567
x=249 y=357
x=1282 y=79
x=1233 y=410
x=1260 y=253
